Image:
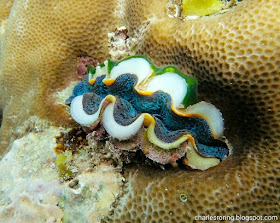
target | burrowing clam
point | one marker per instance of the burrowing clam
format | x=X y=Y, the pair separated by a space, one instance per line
x=134 y=97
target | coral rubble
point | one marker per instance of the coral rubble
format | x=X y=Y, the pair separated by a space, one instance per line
x=32 y=190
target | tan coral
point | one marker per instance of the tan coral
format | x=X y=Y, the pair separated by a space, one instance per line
x=41 y=43
x=235 y=57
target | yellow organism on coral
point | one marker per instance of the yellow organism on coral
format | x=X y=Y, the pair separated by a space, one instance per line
x=201 y=7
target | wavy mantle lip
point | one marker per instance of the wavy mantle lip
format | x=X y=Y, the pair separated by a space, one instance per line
x=125 y=104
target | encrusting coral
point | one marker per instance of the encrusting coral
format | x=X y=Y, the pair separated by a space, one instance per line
x=234 y=54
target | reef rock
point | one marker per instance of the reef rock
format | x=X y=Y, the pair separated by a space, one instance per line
x=32 y=191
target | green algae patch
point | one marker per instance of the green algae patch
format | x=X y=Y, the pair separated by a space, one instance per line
x=201 y=7
x=62 y=162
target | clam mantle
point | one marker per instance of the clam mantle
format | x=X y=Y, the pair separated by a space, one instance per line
x=133 y=98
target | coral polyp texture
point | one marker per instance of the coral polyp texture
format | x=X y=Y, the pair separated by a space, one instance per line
x=234 y=54
x=135 y=93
